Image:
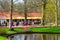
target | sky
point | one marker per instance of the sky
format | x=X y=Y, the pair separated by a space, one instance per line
x=21 y=1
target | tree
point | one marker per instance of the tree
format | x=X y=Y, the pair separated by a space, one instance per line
x=18 y=8
x=43 y=14
x=34 y=6
x=5 y=5
x=25 y=9
x=56 y=14
x=50 y=12
x=11 y=11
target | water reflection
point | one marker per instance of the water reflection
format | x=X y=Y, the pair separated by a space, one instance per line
x=34 y=37
x=18 y=37
x=58 y=37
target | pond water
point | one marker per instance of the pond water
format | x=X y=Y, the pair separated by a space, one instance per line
x=34 y=37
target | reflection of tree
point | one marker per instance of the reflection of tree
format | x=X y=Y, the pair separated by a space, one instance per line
x=10 y=37
x=25 y=38
x=44 y=37
x=55 y=37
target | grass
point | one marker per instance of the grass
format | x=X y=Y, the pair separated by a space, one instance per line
x=3 y=38
x=40 y=29
x=45 y=29
x=6 y=30
x=19 y=29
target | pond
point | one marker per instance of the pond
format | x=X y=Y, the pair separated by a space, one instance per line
x=34 y=37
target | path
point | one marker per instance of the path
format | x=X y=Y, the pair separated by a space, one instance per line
x=31 y=26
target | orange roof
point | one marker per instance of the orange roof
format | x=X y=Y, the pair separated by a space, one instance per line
x=15 y=15
x=33 y=14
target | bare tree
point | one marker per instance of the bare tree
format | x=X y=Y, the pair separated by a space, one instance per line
x=43 y=14
x=56 y=14
x=11 y=11
x=25 y=9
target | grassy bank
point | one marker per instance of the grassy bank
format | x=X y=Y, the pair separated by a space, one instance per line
x=45 y=29
x=8 y=31
x=3 y=38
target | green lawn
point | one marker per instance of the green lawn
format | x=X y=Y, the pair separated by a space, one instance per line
x=6 y=30
x=3 y=38
x=46 y=29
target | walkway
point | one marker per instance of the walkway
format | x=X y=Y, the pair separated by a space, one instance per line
x=31 y=26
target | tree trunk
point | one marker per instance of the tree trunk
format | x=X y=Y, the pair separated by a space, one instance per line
x=11 y=10
x=25 y=9
x=56 y=14
x=43 y=14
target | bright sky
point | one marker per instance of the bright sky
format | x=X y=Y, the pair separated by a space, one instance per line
x=21 y=1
